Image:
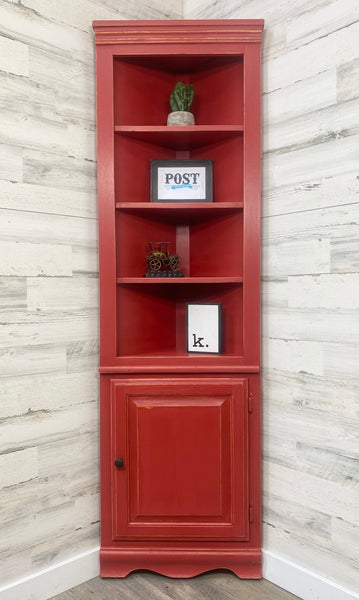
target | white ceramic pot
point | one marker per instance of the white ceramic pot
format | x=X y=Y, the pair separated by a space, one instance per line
x=180 y=117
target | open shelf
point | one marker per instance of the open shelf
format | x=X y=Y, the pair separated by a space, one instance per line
x=176 y=210
x=207 y=247
x=160 y=326
x=133 y=157
x=180 y=138
x=149 y=80
x=175 y=280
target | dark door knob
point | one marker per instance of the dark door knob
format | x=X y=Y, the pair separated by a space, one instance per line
x=119 y=463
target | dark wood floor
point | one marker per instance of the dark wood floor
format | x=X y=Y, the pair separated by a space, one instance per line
x=149 y=586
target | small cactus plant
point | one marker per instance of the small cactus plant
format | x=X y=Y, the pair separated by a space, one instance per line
x=181 y=97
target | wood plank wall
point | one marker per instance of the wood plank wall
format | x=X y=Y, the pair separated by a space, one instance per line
x=49 y=480
x=310 y=268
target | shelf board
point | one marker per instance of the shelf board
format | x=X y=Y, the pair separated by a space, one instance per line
x=180 y=138
x=175 y=280
x=178 y=209
x=179 y=362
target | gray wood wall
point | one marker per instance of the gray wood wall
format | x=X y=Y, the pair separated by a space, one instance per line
x=48 y=277
x=310 y=269
x=49 y=479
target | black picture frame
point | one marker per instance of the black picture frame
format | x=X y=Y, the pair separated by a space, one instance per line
x=204 y=334
x=181 y=180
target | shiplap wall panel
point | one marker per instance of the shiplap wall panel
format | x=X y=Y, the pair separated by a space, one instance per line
x=35 y=260
x=344 y=255
x=12 y=293
x=324 y=291
x=297 y=257
x=82 y=355
x=293 y=355
x=33 y=29
x=18 y=467
x=347 y=81
x=298 y=518
x=45 y=228
x=63 y=293
x=11 y=165
x=320 y=394
x=49 y=447
x=39 y=329
x=310 y=59
x=317 y=161
x=84 y=260
x=331 y=326
x=272 y=11
x=45 y=168
x=318 y=193
x=46 y=392
x=310 y=233
x=334 y=222
x=320 y=21
x=311 y=128
x=32 y=132
x=300 y=98
x=44 y=425
x=49 y=200
x=14 y=57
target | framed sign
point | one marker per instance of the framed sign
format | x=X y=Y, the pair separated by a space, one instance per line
x=181 y=181
x=204 y=328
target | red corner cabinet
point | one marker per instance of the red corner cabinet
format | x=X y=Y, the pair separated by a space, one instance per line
x=180 y=431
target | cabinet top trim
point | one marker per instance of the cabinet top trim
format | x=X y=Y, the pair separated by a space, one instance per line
x=172 y=32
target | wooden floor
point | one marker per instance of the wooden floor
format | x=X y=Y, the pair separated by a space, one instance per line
x=149 y=586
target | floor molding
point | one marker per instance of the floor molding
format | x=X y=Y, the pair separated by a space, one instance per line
x=300 y=581
x=54 y=580
x=277 y=569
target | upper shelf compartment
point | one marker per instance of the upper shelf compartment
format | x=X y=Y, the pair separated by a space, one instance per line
x=142 y=87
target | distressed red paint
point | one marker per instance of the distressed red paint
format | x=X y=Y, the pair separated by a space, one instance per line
x=186 y=498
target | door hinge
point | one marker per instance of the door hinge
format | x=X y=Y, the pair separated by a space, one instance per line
x=251 y=517
x=250 y=403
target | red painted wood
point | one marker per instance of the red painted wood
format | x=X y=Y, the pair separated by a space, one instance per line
x=177 y=280
x=252 y=205
x=184 y=445
x=135 y=155
x=183 y=246
x=180 y=562
x=165 y=311
x=177 y=363
x=200 y=255
x=176 y=211
x=161 y=407
x=137 y=75
x=106 y=200
x=188 y=138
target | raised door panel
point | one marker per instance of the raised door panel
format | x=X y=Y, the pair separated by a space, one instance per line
x=185 y=450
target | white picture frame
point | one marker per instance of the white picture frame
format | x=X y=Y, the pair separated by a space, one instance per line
x=204 y=327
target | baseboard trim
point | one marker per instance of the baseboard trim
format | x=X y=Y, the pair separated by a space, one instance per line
x=300 y=581
x=54 y=580
x=277 y=569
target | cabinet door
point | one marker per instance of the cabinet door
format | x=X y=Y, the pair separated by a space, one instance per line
x=184 y=445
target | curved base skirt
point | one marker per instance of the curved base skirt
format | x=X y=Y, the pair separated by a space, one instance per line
x=180 y=563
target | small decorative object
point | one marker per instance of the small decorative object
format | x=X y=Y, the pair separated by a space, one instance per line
x=181 y=180
x=160 y=263
x=180 y=101
x=204 y=324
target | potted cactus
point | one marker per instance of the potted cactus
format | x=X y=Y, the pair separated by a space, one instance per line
x=180 y=101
